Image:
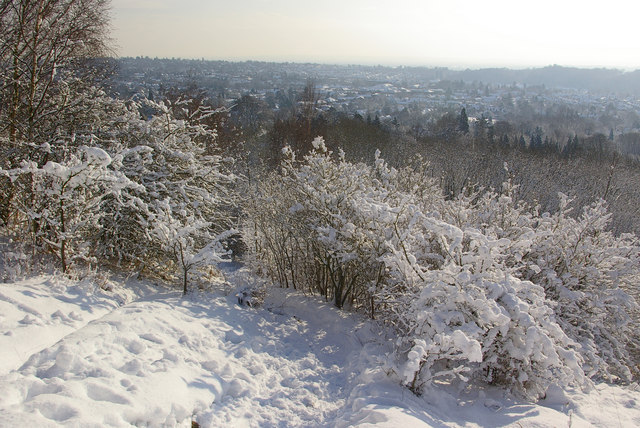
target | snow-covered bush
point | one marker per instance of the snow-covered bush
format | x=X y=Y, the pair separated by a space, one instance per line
x=590 y=275
x=469 y=318
x=63 y=202
x=273 y=232
x=321 y=225
x=481 y=287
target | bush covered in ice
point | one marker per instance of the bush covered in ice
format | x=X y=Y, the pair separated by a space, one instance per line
x=478 y=288
x=145 y=193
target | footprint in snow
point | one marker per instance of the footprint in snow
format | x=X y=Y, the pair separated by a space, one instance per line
x=136 y=347
x=75 y=316
x=492 y=404
x=102 y=393
x=56 y=411
x=233 y=337
x=170 y=356
x=241 y=352
x=65 y=359
x=30 y=320
x=211 y=365
x=151 y=337
x=62 y=317
x=235 y=388
x=133 y=367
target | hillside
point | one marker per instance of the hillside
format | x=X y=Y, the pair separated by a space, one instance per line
x=146 y=356
x=268 y=244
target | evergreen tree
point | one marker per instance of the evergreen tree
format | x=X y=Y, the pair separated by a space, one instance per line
x=522 y=142
x=463 y=121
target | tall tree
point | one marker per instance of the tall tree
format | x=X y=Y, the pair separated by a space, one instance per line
x=42 y=43
x=463 y=121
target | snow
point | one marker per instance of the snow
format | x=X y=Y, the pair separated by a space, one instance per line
x=74 y=354
x=35 y=314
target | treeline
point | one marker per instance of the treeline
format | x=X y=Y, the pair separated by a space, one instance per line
x=461 y=152
x=585 y=175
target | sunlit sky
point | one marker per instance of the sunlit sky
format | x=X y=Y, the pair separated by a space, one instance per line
x=452 y=33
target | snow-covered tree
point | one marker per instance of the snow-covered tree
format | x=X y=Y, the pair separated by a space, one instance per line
x=186 y=238
x=174 y=184
x=42 y=44
x=64 y=203
x=188 y=191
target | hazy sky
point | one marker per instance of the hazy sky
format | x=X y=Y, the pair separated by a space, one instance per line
x=453 y=33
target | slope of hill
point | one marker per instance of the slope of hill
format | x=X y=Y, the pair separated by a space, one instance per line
x=74 y=356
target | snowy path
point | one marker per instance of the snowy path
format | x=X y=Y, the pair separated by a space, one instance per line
x=153 y=358
x=164 y=359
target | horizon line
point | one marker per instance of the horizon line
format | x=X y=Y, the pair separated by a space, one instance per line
x=387 y=65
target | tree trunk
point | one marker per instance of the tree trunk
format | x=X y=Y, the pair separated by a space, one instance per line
x=185 y=270
x=33 y=78
x=63 y=241
x=15 y=99
x=184 y=280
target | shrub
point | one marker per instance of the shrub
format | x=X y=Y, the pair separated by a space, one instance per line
x=481 y=287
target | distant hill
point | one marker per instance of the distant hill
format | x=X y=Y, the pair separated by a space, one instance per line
x=596 y=79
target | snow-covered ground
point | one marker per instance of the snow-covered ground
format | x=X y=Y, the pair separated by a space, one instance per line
x=75 y=355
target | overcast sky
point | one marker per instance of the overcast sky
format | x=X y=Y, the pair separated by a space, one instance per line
x=453 y=33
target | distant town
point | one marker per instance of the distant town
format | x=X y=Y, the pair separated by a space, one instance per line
x=588 y=101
